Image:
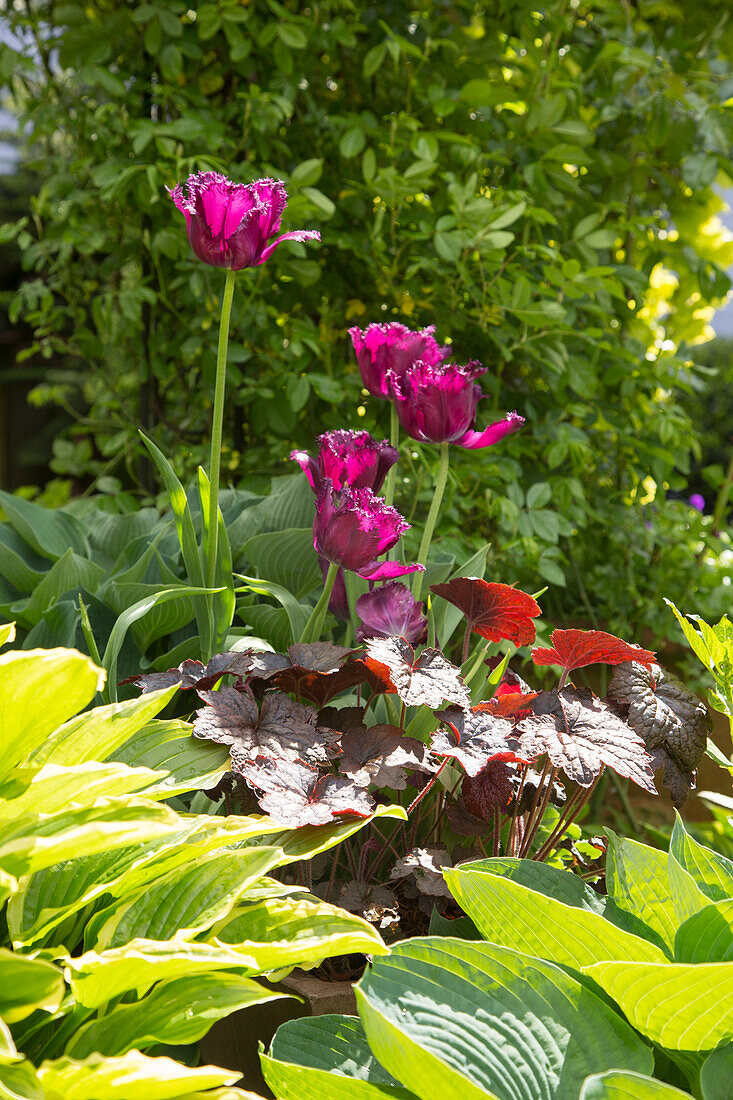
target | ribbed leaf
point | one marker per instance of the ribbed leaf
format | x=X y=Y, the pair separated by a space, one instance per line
x=97 y=733
x=460 y=1020
x=177 y=1012
x=716 y=1075
x=18 y=1081
x=679 y=1006
x=637 y=880
x=96 y=978
x=110 y=534
x=27 y=985
x=687 y=897
x=509 y=913
x=296 y=931
x=707 y=936
x=288 y=560
x=22 y=567
x=32 y=843
x=54 y=789
x=712 y=872
x=40 y=689
x=49 y=531
x=617 y=1085
x=183 y=903
x=327 y=1058
x=68 y=574
x=99 y=1078
x=311 y=840
x=168 y=746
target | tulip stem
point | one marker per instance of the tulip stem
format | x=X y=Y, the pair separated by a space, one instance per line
x=394 y=439
x=427 y=535
x=216 y=428
x=314 y=626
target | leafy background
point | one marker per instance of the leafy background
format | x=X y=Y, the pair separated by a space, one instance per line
x=537 y=184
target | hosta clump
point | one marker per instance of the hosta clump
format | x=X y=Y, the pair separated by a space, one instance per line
x=549 y=990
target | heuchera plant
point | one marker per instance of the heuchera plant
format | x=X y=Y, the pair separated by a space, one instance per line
x=361 y=711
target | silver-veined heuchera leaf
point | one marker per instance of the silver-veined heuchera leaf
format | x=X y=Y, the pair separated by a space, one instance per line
x=280 y=727
x=381 y=755
x=296 y=794
x=673 y=722
x=580 y=734
x=476 y=736
x=429 y=679
x=425 y=866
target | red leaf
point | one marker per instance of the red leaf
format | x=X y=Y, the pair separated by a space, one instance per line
x=509 y=705
x=495 y=611
x=578 y=648
x=428 y=679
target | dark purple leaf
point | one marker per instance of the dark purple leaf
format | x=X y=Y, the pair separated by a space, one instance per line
x=194 y=674
x=279 y=727
x=380 y=755
x=495 y=611
x=424 y=865
x=580 y=734
x=489 y=790
x=673 y=722
x=476 y=736
x=429 y=679
x=296 y=794
x=529 y=791
x=464 y=823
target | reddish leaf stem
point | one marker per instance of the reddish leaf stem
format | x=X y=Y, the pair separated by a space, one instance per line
x=573 y=808
x=531 y=832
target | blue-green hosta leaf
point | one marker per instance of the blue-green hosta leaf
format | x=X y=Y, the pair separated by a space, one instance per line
x=288 y=560
x=47 y=898
x=179 y=1011
x=109 y=534
x=22 y=567
x=40 y=689
x=327 y=1058
x=32 y=842
x=187 y=763
x=678 y=1005
x=503 y=899
x=50 y=532
x=184 y=902
x=716 y=1075
x=637 y=880
x=100 y=1078
x=712 y=872
x=296 y=931
x=67 y=574
x=27 y=985
x=98 y=733
x=465 y=1021
x=56 y=789
x=707 y=936
x=98 y=977
x=619 y=1085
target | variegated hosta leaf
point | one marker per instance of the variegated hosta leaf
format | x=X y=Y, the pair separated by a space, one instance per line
x=100 y=1078
x=637 y=880
x=618 y=1084
x=26 y=985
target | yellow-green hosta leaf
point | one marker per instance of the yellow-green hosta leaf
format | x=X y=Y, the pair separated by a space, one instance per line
x=133 y=1076
x=296 y=931
x=183 y=903
x=707 y=936
x=678 y=1005
x=716 y=1075
x=687 y=897
x=19 y=1081
x=40 y=689
x=7 y=633
x=34 y=842
x=497 y=896
x=55 y=788
x=96 y=978
x=179 y=1011
x=327 y=1058
x=618 y=1085
x=311 y=840
x=467 y=1021
x=97 y=733
x=8 y=886
x=637 y=880
x=712 y=872
x=188 y=763
x=26 y=985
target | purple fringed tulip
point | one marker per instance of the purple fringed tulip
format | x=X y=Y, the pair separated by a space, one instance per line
x=382 y=349
x=697 y=501
x=338 y=604
x=232 y=224
x=353 y=528
x=390 y=611
x=348 y=458
x=436 y=403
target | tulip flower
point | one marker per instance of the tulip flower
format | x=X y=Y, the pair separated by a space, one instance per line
x=353 y=528
x=390 y=611
x=233 y=224
x=382 y=349
x=437 y=402
x=347 y=458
